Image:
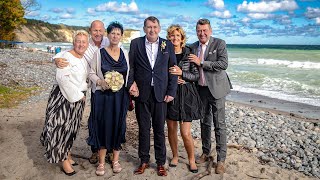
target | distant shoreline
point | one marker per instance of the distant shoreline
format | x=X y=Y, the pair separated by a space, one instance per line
x=294 y=109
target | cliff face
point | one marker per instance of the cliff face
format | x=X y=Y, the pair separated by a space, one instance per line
x=44 y=32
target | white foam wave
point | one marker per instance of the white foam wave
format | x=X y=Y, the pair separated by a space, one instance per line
x=279 y=95
x=290 y=64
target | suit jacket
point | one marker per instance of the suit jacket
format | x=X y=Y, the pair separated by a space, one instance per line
x=142 y=73
x=214 y=66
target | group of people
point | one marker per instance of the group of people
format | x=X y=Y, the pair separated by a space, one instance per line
x=168 y=80
x=53 y=49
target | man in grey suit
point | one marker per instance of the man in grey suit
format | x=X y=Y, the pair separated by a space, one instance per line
x=213 y=86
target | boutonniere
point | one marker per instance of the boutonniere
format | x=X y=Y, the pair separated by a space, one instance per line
x=163 y=45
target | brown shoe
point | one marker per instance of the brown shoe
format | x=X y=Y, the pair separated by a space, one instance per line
x=202 y=159
x=220 y=169
x=94 y=158
x=141 y=168
x=161 y=171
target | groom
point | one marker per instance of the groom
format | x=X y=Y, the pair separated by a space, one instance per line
x=153 y=86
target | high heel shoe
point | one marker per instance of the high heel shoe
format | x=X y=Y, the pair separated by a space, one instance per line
x=70 y=173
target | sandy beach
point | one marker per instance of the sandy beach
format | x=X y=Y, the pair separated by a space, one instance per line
x=266 y=141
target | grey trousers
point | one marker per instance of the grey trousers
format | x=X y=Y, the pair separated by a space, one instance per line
x=214 y=113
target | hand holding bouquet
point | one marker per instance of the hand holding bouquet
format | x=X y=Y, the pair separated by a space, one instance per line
x=114 y=80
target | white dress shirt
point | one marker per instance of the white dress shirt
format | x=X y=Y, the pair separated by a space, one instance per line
x=72 y=79
x=152 y=52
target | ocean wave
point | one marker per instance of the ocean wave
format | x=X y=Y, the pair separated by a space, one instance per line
x=279 y=95
x=290 y=64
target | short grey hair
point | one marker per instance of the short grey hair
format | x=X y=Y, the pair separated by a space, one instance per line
x=80 y=32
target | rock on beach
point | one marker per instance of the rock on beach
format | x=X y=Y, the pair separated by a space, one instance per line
x=273 y=146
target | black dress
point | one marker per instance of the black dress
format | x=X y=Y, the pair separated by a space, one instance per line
x=110 y=108
x=187 y=105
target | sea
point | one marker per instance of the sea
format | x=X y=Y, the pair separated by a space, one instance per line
x=286 y=72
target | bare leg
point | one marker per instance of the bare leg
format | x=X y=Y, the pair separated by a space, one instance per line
x=188 y=142
x=102 y=155
x=70 y=158
x=173 y=140
x=116 y=155
x=66 y=165
x=116 y=167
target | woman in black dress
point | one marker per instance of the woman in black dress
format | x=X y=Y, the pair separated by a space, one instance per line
x=187 y=104
x=110 y=105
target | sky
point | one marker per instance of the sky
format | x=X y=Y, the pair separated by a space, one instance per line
x=235 y=21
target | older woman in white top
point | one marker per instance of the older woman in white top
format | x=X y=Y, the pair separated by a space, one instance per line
x=65 y=105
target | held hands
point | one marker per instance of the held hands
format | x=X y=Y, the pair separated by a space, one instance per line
x=134 y=91
x=193 y=58
x=175 y=70
x=61 y=62
x=168 y=98
x=180 y=80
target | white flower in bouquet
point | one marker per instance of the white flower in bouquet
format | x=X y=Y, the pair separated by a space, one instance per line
x=114 y=79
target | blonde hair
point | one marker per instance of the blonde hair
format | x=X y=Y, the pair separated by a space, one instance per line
x=80 y=32
x=176 y=27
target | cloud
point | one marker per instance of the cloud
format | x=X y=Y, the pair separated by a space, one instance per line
x=312 y=13
x=66 y=16
x=267 y=6
x=113 y=6
x=185 y=19
x=143 y=16
x=45 y=18
x=318 y=20
x=217 y=4
x=70 y=10
x=91 y=11
x=245 y=20
x=282 y=20
x=33 y=14
x=224 y=15
x=57 y=10
x=228 y=23
x=260 y=15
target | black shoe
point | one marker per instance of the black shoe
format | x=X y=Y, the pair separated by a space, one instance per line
x=75 y=164
x=193 y=170
x=172 y=165
x=69 y=174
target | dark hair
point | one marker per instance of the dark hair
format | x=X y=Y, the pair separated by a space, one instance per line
x=203 y=22
x=114 y=25
x=151 y=18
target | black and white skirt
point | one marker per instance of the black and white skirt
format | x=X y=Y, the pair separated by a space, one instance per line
x=61 y=125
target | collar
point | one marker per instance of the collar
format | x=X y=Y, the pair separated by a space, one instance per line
x=147 y=42
x=104 y=42
x=204 y=43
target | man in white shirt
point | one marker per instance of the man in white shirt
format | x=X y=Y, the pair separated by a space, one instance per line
x=96 y=41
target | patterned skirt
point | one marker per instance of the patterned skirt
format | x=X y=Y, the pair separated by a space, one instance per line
x=61 y=125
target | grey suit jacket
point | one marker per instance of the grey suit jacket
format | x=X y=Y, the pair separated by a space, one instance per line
x=214 y=66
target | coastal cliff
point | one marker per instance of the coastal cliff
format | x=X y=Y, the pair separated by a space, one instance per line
x=40 y=31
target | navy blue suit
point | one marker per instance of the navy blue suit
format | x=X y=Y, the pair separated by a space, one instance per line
x=150 y=102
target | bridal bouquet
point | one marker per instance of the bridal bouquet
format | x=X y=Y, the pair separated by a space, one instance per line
x=114 y=79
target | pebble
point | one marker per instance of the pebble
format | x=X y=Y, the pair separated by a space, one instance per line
x=278 y=140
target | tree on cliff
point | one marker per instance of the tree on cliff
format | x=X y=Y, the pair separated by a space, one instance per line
x=30 y=6
x=11 y=15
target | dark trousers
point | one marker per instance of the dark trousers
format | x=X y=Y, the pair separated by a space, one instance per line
x=147 y=113
x=214 y=113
